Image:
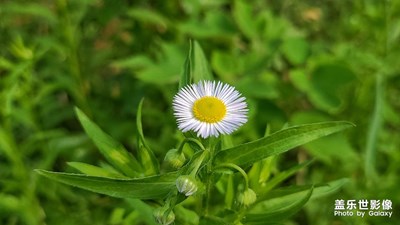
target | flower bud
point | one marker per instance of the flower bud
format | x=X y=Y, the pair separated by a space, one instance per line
x=186 y=185
x=247 y=197
x=175 y=159
x=163 y=216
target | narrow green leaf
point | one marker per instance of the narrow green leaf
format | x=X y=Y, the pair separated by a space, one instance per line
x=147 y=159
x=282 y=176
x=35 y=10
x=199 y=65
x=268 y=167
x=146 y=156
x=9 y=203
x=374 y=128
x=114 y=152
x=94 y=170
x=261 y=171
x=186 y=77
x=186 y=216
x=145 y=210
x=212 y=220
x=329 y=188
x=117 y=216
x=291 y=206
x=196 y=67
x=320 y=190
x=278 y=142
x=7 y=146
x=149 y=16
x=154 y=187
x=283 y=196
x=139 y=122
x=227 y=142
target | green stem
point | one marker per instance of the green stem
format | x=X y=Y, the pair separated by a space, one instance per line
x=237 y=168
x=208 y=181
x=208 y=194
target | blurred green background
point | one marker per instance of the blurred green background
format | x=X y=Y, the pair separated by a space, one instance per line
x=296 y=61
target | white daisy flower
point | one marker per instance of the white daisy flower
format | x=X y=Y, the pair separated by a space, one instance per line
x=209 y=108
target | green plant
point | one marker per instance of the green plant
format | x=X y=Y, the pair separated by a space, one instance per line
x=219 y=183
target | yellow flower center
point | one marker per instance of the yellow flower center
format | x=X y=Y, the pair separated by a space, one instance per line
x=209 y=109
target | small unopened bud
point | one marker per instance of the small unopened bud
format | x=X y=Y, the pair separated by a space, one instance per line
x=175 y=159
x=163 y=216
x=247 y=197
x=186 y=185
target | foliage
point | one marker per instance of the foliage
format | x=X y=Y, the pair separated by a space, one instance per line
x=142 y=181
x=296 y=62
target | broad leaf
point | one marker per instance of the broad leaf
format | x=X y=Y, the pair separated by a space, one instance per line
x=296 y=50
x=278 y=142
x=114 y=152
x=227 y=66
x=328 y=84
x=162 y=68
x=244 y=17
x=154 y=187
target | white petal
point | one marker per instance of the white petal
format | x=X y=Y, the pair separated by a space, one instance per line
x=236 y=107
